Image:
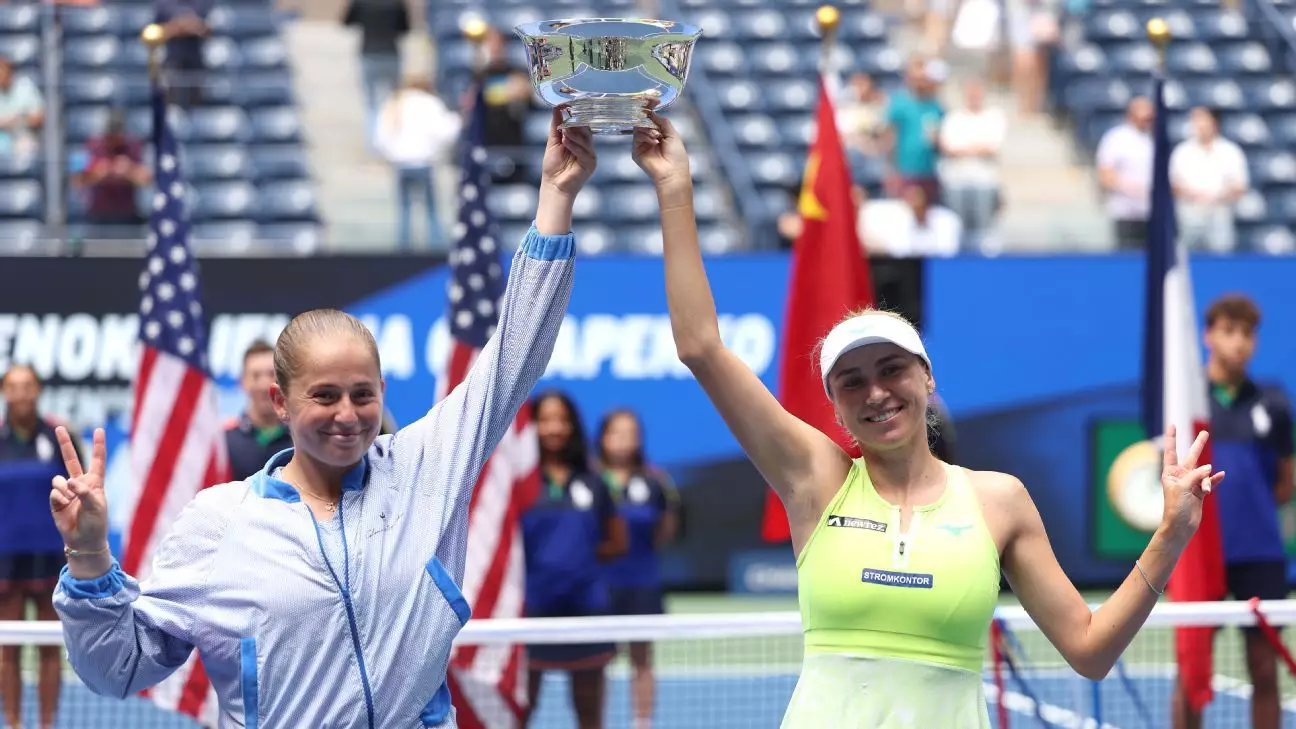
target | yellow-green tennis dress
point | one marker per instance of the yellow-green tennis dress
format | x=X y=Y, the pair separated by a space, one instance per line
x=895 y=623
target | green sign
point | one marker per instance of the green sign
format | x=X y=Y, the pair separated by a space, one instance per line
x=1124 y=472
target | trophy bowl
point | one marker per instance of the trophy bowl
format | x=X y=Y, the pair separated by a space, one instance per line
x=606 y=73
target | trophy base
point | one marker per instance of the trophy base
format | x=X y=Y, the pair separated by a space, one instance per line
x=609 y=116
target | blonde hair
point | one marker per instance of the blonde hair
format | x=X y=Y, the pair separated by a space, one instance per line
x=932 y=416
x=853 y=313
x=306 y=328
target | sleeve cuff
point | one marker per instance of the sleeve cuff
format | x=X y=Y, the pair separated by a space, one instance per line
x=106 y=585
x=548 y=247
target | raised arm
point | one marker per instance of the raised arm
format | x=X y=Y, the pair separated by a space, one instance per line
x=449 y=446
x=796 y=459
x=1091 y=641
x=122 y=637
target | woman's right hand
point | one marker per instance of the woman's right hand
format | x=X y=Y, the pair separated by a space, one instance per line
x=569 y=158
x=660 y=153
x=78 y=503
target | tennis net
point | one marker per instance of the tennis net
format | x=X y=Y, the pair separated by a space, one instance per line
x=723 y=670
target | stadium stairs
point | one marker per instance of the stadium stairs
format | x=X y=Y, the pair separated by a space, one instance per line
x=1050 y=195
x=356 y=187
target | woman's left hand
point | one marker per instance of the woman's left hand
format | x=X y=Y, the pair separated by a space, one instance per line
x=1185 y=486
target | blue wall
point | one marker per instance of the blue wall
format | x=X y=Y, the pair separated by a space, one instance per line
x=1033 y=350
x=1027 y=351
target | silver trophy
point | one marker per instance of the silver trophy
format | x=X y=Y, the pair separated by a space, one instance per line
x=606 y=73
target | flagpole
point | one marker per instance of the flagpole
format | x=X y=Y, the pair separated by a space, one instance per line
x=1158 y=31
x=827 y=18
x=153 y=36
x=474 y=31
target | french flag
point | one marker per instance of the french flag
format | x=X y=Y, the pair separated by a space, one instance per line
x=1174 y=391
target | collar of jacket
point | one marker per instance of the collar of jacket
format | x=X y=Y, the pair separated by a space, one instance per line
x=269 y=487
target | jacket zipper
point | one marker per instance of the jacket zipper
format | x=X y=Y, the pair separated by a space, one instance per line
x=345 y=589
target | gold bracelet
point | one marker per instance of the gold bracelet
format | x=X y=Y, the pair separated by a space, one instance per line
x=1145 y=579
x=69 y=552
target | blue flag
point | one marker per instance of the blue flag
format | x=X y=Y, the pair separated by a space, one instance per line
x=1161 y=260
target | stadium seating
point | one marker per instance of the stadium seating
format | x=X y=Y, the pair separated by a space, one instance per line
x=1232 y=62
x=22 y=190
x=758 y=58
x=244 y=153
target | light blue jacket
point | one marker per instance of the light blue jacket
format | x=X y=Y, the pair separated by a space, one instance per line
x=243 y=575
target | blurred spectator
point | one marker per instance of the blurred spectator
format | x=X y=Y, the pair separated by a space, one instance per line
x=29 y=459
x=382 y=24
x=22 y=112
x=509 y=100
x=861 y=114
x=1032 y=31
x=970 y=142
x=1125 y=173
x=647 y=501
x=1209 y=174
x=861 y=119
x=789 y=222
x=909 y=227
x=914 y=117
x=568 y=532
x=417 y=134
x=185 y=24
x=256 y=435
x=112 y=179
x=936 y=18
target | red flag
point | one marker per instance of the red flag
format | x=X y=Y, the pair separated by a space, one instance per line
x=1175 y=392
x=177 y=439
x=829 y=277
x=488 y=682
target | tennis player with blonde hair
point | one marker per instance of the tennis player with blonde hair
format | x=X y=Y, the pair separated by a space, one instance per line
x=323 y=591
x=899 y=555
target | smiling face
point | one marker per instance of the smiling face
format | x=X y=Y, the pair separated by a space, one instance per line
x=880 y=392
x=333 y=404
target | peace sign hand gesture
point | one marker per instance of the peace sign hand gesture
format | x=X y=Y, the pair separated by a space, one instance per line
x=1185 y=486
x=78 y=503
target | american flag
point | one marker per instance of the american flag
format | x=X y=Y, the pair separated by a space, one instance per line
x=487 y=683
x=177 y=445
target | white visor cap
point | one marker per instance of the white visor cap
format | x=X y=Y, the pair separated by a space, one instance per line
x=872 y=328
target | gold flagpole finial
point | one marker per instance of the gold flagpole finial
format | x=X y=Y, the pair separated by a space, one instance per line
x=153 y=36
x=1158 y=31
x=827 y=17
x=474 y=31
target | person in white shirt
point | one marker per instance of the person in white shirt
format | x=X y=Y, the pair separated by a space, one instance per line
x=1209 y=174
x=970 y=139
x=416 y=133
x=1125 y=173
x=22 y=112
x=910 y=227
